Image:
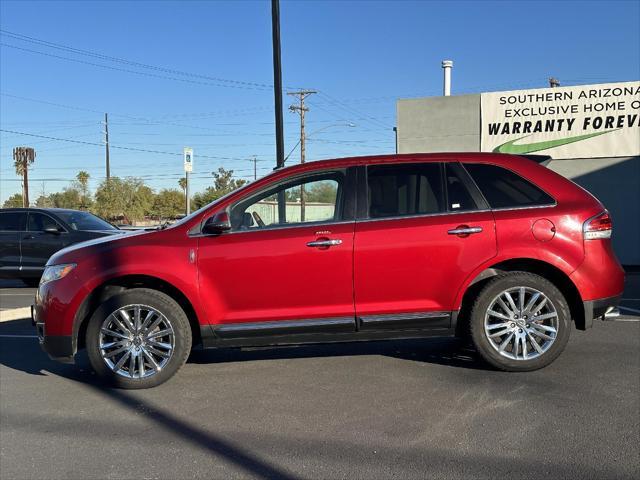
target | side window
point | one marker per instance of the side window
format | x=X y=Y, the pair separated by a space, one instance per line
x=38 y=222
x=308 y=201
x=505 y=189
x=12 y=221
x=411 y=189
x=459 y=197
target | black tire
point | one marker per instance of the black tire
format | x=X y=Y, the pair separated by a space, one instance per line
x=483 y=302
x=159 y=302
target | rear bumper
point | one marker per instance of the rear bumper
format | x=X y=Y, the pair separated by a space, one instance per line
x=597 y=308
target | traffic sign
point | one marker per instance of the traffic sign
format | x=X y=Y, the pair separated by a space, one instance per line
x=188 y=159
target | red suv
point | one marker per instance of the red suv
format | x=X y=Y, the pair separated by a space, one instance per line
x=371 y=248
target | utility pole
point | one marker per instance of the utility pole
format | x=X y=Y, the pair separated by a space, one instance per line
x=255 y=167
x=106 y=144
x=301 y=110
x=277 y=98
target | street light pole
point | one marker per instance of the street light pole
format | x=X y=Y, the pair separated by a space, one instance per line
x=395 y=130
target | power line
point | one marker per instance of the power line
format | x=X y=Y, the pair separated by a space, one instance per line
x=352 y=110
x=115 y=146
x=67 y=48
x=109 y=67
x=143 y=119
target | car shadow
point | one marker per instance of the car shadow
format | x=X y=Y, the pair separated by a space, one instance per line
x=450 y=352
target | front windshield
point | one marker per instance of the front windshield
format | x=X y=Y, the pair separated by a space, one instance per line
x=84 y=221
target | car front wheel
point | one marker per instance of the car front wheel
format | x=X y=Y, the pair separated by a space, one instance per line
x=520 y=322
x=138 y=339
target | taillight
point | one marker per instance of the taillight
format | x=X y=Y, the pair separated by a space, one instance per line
x=598 y=227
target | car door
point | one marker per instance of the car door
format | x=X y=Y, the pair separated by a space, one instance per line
x=286 y=267
x=12 y=224
x=422 y=231
x=44 y=237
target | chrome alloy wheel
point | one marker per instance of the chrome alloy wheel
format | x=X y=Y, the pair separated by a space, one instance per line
x=136 y=341
x=521 y=323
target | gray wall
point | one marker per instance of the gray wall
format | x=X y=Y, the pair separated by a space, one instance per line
x=452 y=124
x=439 y=124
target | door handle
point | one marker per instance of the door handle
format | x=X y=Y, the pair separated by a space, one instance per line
x=324 y=243
x=464 y=230
x=29 y=237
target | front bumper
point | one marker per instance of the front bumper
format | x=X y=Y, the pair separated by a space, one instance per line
x=60 y=348
x=598 y=308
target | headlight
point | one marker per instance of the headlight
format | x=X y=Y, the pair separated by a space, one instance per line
x=56 y=272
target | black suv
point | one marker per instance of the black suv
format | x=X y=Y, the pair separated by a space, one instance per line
x=29 y=236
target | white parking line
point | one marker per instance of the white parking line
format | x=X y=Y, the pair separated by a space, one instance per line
x=23 y=313
x=18 y=336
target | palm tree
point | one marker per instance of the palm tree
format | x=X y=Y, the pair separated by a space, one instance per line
x=183 y=184
x=83 y=180
x=22 y=158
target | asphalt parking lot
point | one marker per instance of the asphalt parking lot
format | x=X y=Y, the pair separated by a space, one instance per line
x=403 y=409
x=13 y=294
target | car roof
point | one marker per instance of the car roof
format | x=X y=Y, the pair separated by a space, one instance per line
x=40 y=209
x=476 y=157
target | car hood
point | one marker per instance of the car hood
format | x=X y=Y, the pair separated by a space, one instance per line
x=66 y=254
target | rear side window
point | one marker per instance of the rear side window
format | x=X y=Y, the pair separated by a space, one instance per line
x=504 y=189
x=12 y=221
x=398 y=190
x=459 y=197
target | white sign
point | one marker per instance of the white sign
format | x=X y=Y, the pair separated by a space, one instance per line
x=587 y=121
x=188 y=159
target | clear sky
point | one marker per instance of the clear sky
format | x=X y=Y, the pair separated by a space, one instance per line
x=208 y=78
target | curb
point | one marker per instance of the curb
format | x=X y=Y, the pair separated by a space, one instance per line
x=23 y=313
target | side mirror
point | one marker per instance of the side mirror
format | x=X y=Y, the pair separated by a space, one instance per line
x=217 y=224
x=52 y=230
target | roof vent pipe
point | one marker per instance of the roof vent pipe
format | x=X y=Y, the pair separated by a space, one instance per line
x=447 y=65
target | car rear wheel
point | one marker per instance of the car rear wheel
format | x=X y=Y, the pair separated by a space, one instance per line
x=138 y=339
x=520 y=322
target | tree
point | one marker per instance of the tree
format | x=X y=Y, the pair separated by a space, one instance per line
x=324 y=191
x=168 y=204
x=68 y=198
x=129 y=198
x=44 y=201
x=183 y=184
x=13 y=201
x=82 y=181
x=223 y=183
